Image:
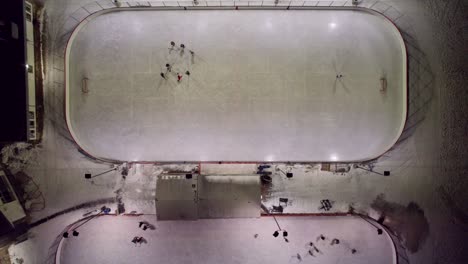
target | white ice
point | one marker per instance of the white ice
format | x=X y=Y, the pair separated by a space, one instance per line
x=108 y=240
x=263 y=85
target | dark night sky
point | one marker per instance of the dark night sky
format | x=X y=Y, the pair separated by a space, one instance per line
x=13 y=90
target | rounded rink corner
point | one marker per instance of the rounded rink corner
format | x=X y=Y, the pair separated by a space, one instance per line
x=257 y=91
x=356 y=240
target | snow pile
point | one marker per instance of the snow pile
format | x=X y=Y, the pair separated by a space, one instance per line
x=18 y=156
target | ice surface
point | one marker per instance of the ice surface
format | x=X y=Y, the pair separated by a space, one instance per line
x=260 y=89
x=227 y=241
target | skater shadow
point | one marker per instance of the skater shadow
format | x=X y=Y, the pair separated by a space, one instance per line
x=334 y=85
x=340 y=80
x=194 y=56
x=339 y=77
x=313 y=249
x=297 y=258
x=171 y=49
x=345 y=88
x=343 y=56
x=161 y=82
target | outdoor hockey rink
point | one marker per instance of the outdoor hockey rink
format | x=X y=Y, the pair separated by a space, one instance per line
x=213 y=241
x=263 y=85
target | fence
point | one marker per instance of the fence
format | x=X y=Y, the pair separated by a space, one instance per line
x=400 y=250
x=402 y=257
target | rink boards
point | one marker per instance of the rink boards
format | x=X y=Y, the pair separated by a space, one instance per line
x=264 y=85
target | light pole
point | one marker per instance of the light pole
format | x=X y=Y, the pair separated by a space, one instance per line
x=386 y=173
x=276 y=233
x=288 y=175
x=379 y=230
x=89 y=176
x=104 y=210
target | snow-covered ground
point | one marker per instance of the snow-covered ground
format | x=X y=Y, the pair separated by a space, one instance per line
x=425 y=192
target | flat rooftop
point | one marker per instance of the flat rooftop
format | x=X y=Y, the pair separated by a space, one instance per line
x=263 y=85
